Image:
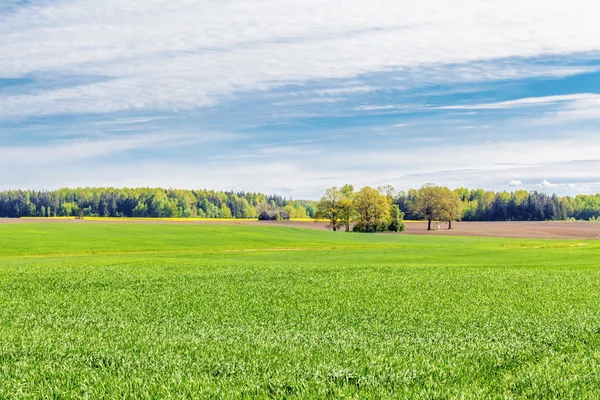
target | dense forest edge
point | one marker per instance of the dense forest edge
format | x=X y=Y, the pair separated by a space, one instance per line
x=475 y=204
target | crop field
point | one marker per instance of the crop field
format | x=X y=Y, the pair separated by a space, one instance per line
x=136 y=219
x=221 y=311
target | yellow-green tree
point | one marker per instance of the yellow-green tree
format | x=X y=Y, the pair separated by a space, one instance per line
x=329 y=207
x=372 y=210
x=299 y=211
x=450 y=206
x=396 y=219
x=225 y=211
x=428 y=203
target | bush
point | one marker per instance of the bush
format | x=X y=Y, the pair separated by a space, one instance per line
x=274 y=216
x=364 y=227
x=397 y=223
x=265 y=216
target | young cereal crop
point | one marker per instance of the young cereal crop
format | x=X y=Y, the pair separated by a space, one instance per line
x=193 y=311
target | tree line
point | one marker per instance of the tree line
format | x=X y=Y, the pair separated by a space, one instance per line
x=147 y=203
x=378 y=210
x=469 y=204
x=342 y=206
x=481 y=205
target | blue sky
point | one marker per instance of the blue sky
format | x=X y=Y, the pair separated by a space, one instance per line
x=292 y=97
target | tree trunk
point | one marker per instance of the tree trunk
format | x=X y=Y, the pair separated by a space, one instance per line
x=449 y=224
x=429 y=224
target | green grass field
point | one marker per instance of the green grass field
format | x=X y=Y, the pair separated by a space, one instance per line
x=180 y=311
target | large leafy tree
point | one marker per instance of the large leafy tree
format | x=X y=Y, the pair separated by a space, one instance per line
x=372 y=210
x=428 y=202
x=329 y=207
x=450 y=206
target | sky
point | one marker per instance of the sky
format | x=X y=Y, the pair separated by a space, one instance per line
x=291 y=97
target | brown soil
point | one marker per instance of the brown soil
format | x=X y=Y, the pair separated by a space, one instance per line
x=541 y=230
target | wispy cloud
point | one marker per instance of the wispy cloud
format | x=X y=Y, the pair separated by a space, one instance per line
x=139 y=91
x=307 y=172
x=64 y=151
x=375 y=108
x=525 y=102
x=179 y=54
x=474 y=127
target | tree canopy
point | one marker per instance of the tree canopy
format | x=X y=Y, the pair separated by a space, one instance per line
x=146 y=203
x=330 y=207
x=428 y=203
x=472 y=204
x=372 y=210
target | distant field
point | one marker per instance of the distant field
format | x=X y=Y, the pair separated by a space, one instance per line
x=125 y=219
x=228 y=311
x=508 y=229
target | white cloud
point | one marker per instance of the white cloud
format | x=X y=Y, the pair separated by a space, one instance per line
x=515 y=183
x=182 y=54
x=85 y=149
x=563 y=108
x=186 y=54
x=546 y=184
x=375 y=108
x=582 y=109
x=529 y=101
x=474 y=127
x=335 y=91
x=307 y=169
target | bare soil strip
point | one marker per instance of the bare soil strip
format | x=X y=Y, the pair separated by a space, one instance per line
x=538 y=230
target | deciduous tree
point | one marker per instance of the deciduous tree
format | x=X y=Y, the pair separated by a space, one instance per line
x=450 y=206
x=372 y=210
x=427 y=203
x=396 y=219
x=329 y=207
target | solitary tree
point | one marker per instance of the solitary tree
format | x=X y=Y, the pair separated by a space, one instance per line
x=427 y=203
x=450 y=207
x=330 y=207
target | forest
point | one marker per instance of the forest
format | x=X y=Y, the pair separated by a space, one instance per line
x=146 y=203
x=475 y=204
x=481 y=205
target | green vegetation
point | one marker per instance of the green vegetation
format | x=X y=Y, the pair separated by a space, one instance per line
x=439 y=203
x=146 y=203
x=371 y=210
x=473 y=205
x=158 y=311
x=481 y=205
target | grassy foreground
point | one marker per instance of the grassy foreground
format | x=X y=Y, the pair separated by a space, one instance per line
x=157 y=311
